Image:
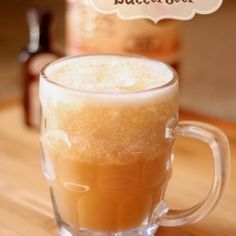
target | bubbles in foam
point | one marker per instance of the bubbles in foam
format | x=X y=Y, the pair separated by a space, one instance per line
x=109 y=74
x=102 y=126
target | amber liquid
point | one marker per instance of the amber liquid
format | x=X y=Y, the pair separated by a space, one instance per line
x=109 y=197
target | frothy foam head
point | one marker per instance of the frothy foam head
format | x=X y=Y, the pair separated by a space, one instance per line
x=121 y=121
x=109 y=74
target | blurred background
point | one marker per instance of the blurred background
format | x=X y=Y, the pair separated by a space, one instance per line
x=203 y=50
x=207 y=58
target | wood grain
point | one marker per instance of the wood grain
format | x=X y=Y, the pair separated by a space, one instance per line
x=25 y=208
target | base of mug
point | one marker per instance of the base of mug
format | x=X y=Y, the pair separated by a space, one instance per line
x=67 y=230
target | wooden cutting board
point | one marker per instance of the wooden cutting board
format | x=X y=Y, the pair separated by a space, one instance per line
x=25 y=208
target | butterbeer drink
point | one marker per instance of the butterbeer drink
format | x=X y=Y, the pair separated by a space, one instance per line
x=106 y=154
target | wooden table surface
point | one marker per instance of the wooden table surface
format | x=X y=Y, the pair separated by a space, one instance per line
x=25 y=208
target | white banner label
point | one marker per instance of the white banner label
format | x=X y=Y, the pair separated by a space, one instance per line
x=156 y=10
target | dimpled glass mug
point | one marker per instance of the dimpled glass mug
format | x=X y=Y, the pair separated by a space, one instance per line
x=109 y=123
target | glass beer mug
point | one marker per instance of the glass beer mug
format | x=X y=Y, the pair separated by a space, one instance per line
x=109 y=123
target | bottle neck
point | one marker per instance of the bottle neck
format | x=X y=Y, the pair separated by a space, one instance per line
x=39 y=32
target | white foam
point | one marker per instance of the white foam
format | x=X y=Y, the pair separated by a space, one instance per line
x=114 y=78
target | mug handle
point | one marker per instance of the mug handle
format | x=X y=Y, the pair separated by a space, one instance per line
x=219 y=145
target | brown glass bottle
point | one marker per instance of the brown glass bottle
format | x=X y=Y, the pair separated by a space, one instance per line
x=37 y=54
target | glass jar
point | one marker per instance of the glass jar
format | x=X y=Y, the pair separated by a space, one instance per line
x=89 y=32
